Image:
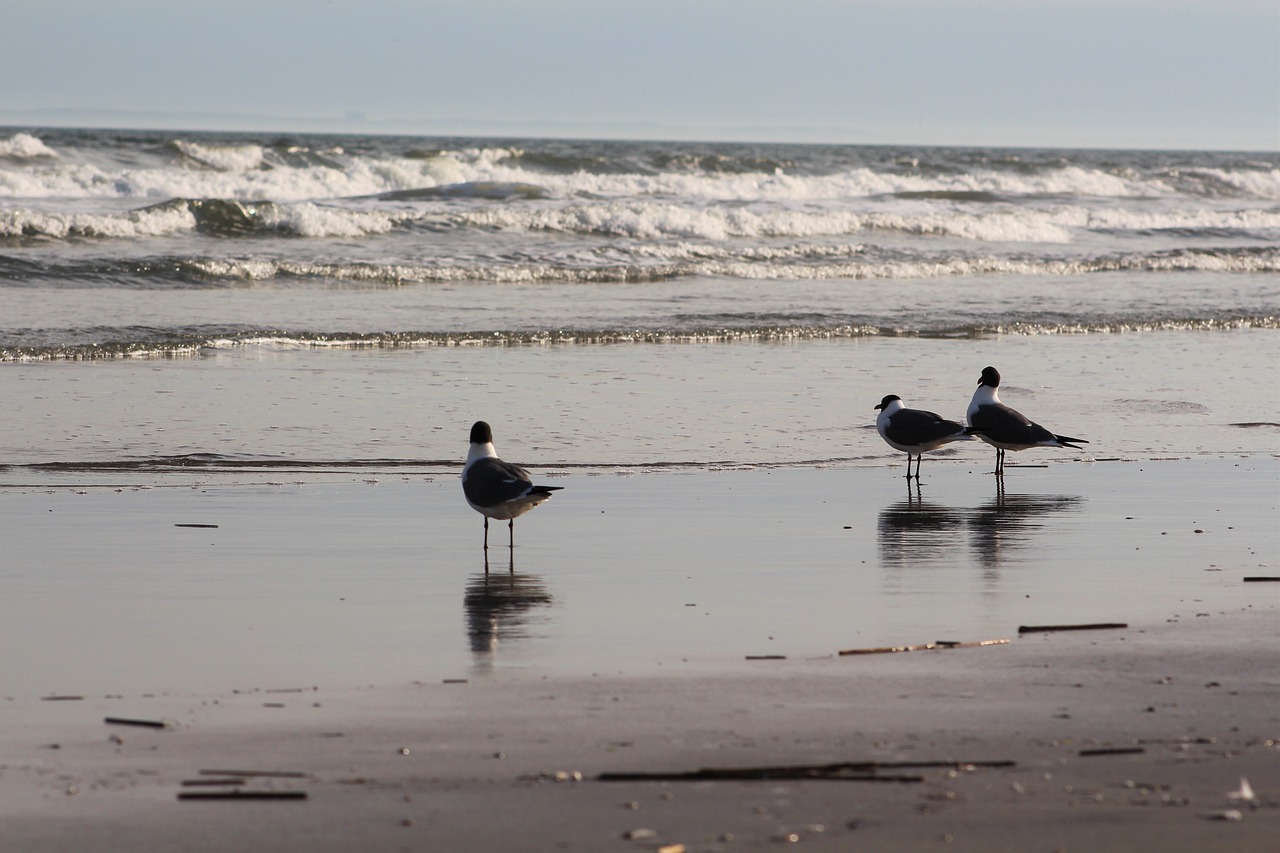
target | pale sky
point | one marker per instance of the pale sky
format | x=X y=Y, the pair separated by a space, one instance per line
x=1072 y=73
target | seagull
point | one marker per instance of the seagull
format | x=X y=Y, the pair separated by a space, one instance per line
x=914 y=431
x=498 y=489
x=1008 y=429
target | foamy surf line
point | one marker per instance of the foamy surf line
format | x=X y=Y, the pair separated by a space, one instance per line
x=198 y=345
x=697 y=219
x=213 y=167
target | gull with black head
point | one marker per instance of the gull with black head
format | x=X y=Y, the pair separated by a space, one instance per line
x=498 y=489
x=1008 y=429
x=915 y=431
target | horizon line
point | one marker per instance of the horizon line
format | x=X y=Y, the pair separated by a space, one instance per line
x=619 y=131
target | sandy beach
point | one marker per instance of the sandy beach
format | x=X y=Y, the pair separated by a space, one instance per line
x=239 y=371
x=1129 y=739
x=418 y=705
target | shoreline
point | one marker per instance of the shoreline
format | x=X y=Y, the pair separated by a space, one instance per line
x=633 y=406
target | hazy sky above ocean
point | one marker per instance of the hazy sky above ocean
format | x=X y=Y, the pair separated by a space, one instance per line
x=1072 y=73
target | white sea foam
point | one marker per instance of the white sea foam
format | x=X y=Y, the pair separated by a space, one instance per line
x=303 y=220
x=781 y=263
x=1257 y=183
x=151 y=222
x=253 y=172
x=360 y=177
x=656 y=220
x=312 y=220
x=224 y=158
x=241 y=172
x=24 y=146
x=1017 y=224
x=852 y=184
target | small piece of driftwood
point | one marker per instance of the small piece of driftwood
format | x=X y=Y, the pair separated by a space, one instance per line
x=240 y=794
x=1262 y=579
x=61 y=698
x=1112 y=750
x=757 y=774
x=919 y=647
x=766 y=657
x=127 y=721
x=855 y=771
x=279 y=774
x=204 y=526
x=884 y=650
x=1096 y=626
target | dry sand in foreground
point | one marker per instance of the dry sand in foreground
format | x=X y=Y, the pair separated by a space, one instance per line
x=1121 y=739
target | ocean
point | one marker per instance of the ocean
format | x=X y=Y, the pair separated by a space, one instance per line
x=371 y=263
x=284 y=340
x=127 y=242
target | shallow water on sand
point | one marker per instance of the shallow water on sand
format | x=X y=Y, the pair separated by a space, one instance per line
x=721 y=501
x=349 y=583
x=297 y=412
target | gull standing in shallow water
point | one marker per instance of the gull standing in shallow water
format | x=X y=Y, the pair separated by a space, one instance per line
x=914 y=431
x=1008 y=429
x=498 y=489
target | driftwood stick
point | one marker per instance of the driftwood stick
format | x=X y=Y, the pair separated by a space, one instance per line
x=884 y=650
x=126 y=721
x=953 y=644
x=280 y=774
x=854 y=771
x=920 y=647
x=1113 y=750
x=753 y=775
x=239 y=794
x=1096 y=626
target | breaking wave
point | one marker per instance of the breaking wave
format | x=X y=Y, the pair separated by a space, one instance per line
x=648 y=262
x=631 y=220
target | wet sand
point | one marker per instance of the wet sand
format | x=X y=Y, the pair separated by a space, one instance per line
x=275 y=643
x=1180 y=712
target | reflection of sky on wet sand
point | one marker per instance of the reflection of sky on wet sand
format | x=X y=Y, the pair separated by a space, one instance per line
x=353 y=583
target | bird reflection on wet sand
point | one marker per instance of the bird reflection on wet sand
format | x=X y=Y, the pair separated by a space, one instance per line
x=1005 y=524
x=501 y=608
x=916 y=531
